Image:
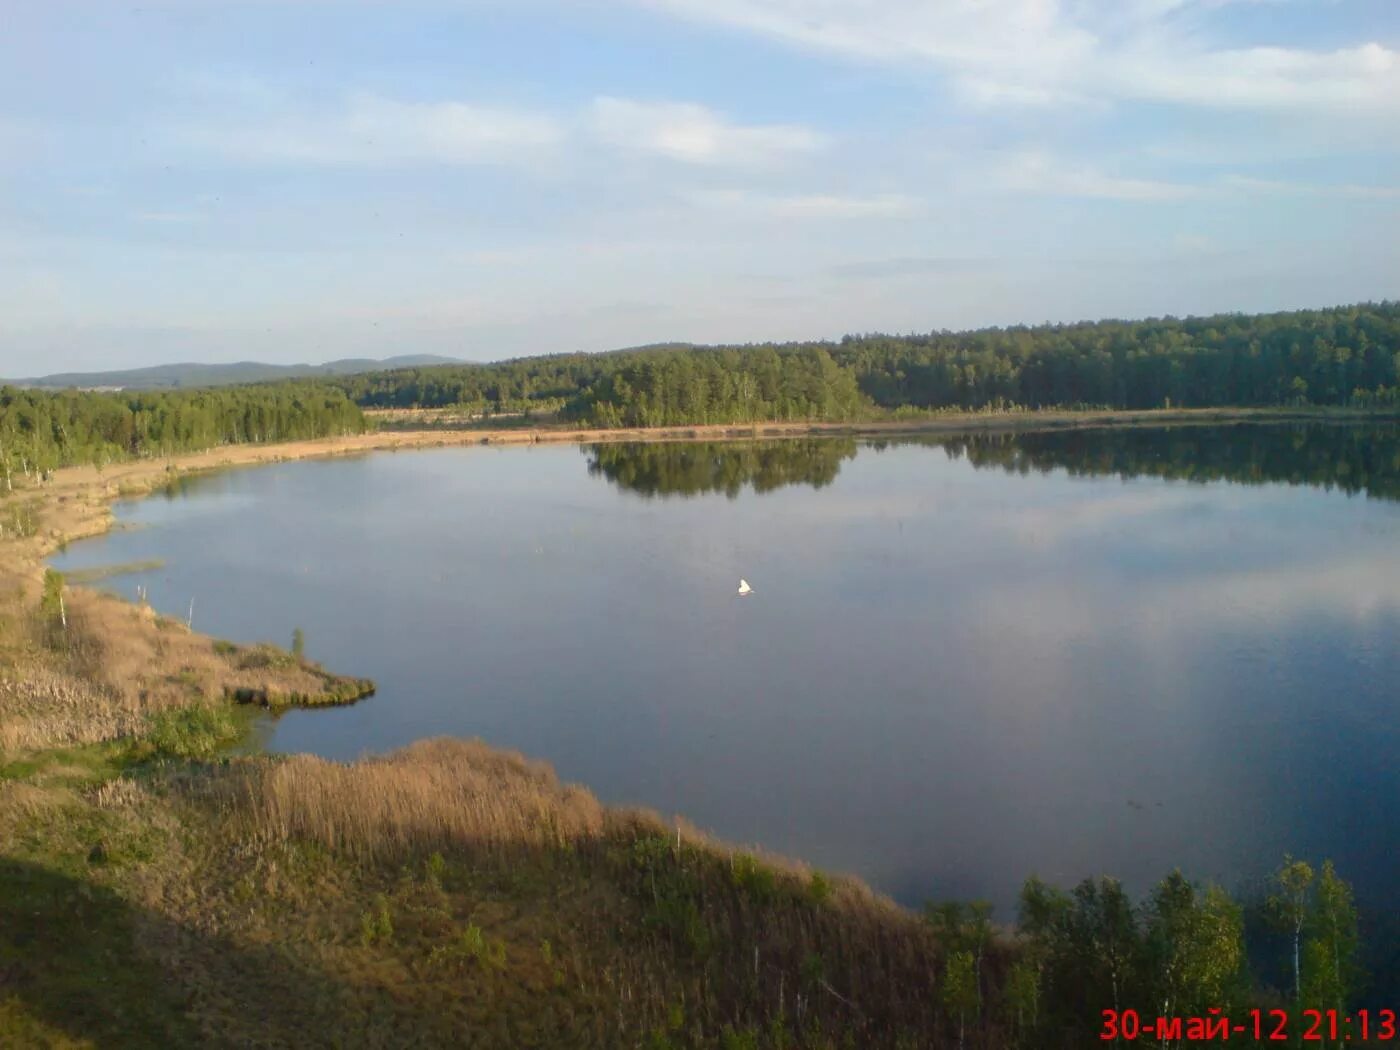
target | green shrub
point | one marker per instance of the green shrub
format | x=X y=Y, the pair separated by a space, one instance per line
x=754 y=878
x=434 y=868
x=52 y=601
x=472 y=945
x=555 y=970
x=190 y=732
x=680 y=917
x=650 y=853
x=260 y=657
x=376 y=926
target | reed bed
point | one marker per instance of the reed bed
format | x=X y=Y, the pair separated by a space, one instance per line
x=646 y=915
x=52 y=708
x=434 y=795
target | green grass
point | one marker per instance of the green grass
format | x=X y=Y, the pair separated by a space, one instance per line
x=70 y=766
x=264 y=657
x=196 y=732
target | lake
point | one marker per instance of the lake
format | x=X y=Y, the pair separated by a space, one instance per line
x=965 y=660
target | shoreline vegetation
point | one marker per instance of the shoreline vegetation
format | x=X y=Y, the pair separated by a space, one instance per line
x=157 y=888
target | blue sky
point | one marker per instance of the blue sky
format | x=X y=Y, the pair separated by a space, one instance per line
x=298 y=180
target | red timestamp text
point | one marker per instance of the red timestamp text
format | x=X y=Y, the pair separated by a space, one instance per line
x=1265 y=1026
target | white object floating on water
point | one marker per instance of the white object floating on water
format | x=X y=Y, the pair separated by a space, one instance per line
x=744 y=589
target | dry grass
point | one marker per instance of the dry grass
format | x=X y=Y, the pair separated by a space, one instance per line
x=447 y=794
x=20 y=802
x=435 y=795
x=642 y=923
x=116 y=665
x=50 y=707
x=443 y=891
x=121 y=793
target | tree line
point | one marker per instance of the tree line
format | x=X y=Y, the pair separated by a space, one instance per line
x=1182 y=952
x=42 y=430
x=1341 y=356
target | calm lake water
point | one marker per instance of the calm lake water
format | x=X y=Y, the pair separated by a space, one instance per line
x=965 y=661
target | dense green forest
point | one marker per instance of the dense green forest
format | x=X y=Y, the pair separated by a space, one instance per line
x=1348 y=355
x=1355 y=458
x=41 y=430
x=1344 y=356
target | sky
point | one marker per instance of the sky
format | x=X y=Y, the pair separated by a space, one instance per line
x=303 y=180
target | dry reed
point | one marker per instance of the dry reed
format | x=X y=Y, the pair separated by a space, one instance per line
x=433 y=795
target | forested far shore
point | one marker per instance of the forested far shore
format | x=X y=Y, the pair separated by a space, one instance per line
x=1346 y=355
x=42 y=430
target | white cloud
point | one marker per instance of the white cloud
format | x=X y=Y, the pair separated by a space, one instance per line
x=1045 y=51
x=1034 y=172
x=1264 y=78
x=806 y=206
x=962 y=32
x=694 y=134
x=371 y=131
x=1287 y=188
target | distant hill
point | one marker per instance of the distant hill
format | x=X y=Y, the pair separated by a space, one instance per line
x=165 y=377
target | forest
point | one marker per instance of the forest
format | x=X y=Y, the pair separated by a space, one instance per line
x=1344 y=356
x=40 y=430
x=1184 y=951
